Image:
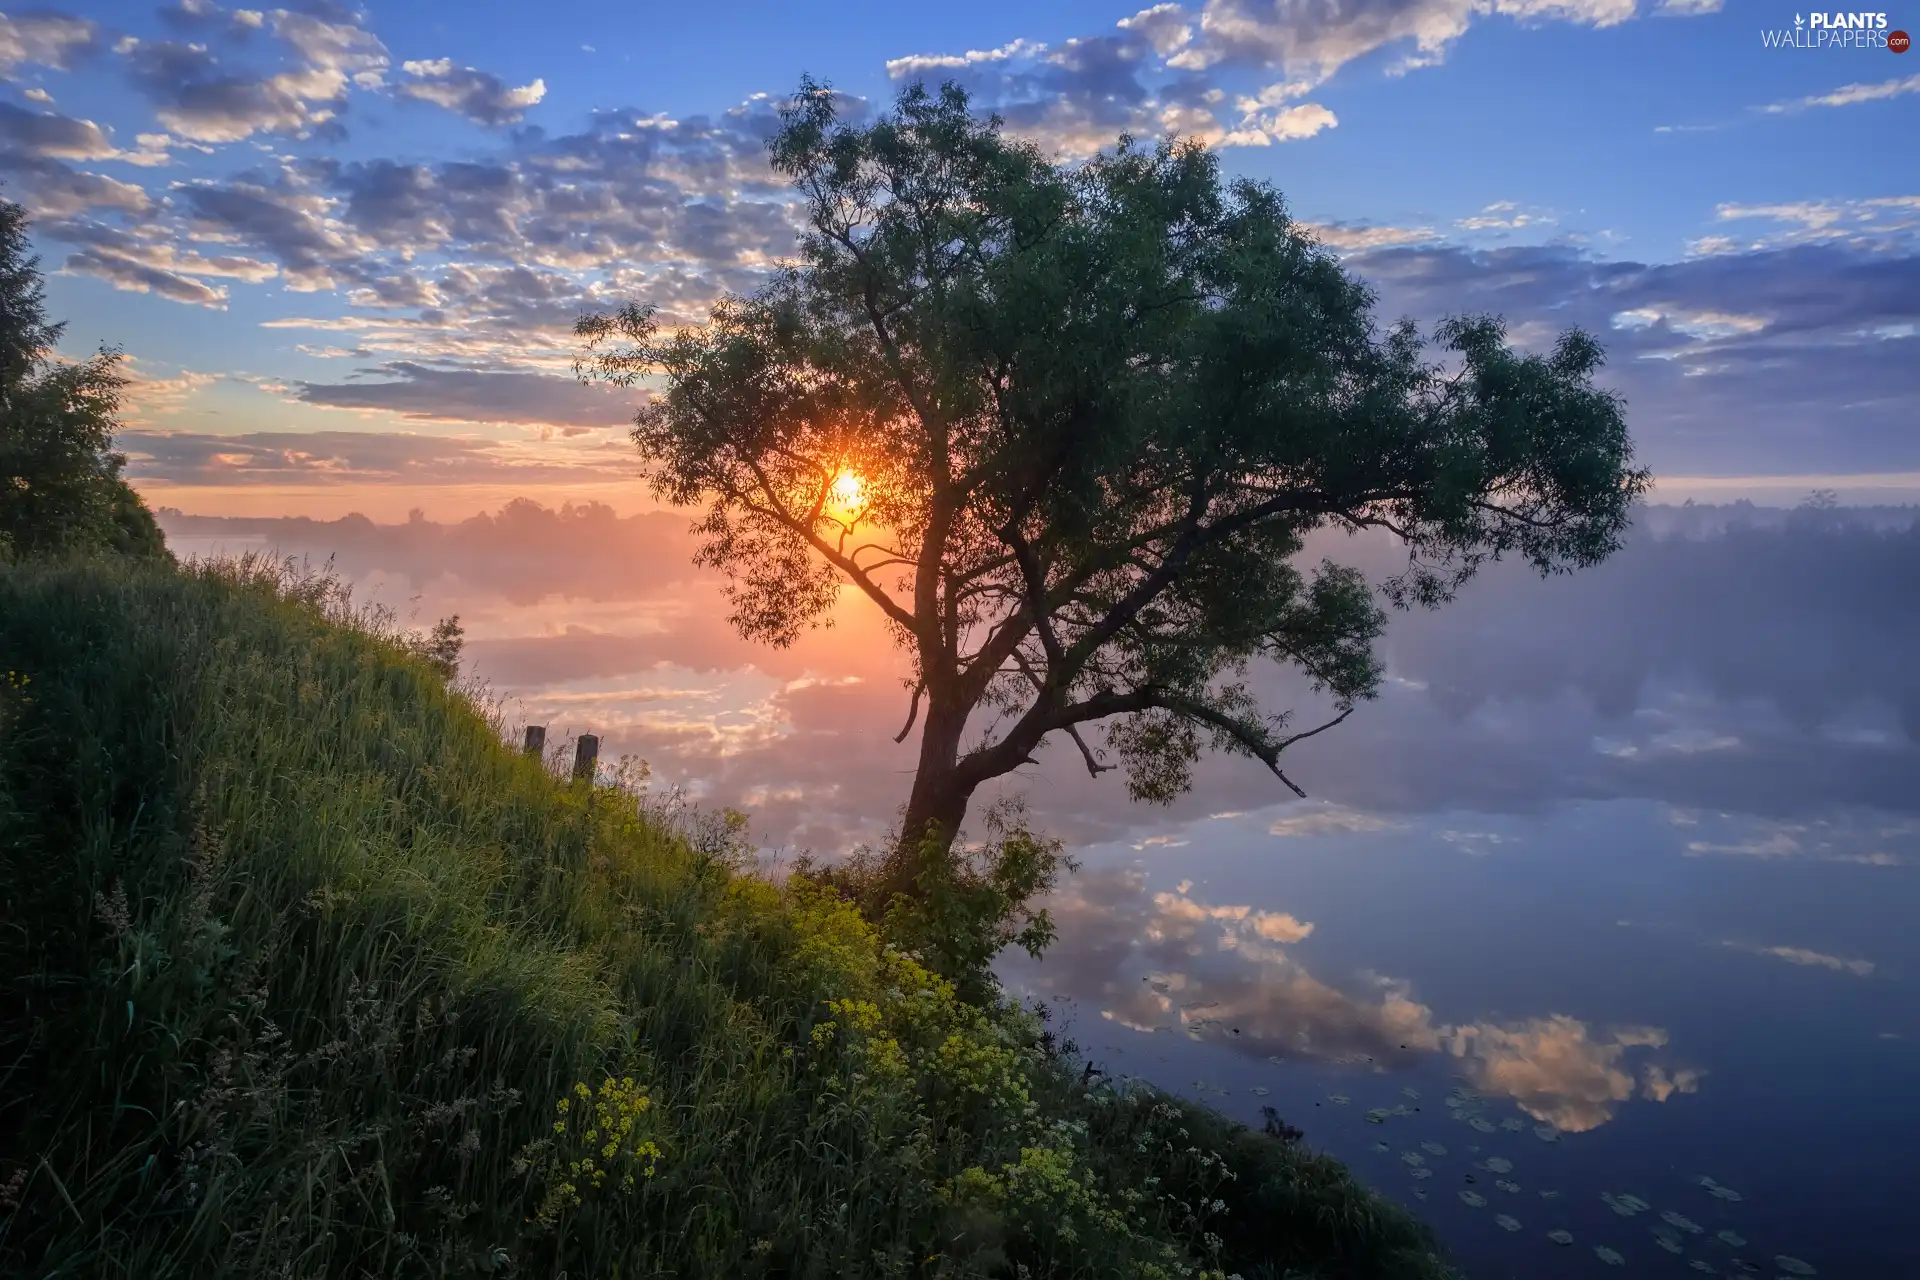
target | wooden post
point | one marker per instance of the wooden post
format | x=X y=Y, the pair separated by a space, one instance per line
x=586 y=755
x=536 y=743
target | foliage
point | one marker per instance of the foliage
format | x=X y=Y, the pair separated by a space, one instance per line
x=60 y=485
x=441 y=647
x=1068 y=427
x=300 y=960
x=964 y=909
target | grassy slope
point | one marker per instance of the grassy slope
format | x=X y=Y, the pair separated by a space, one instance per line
x=299 y=964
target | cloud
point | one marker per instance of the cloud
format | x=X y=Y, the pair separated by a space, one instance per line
x=54 y=189
x=137 y=277
x=1880 y=223
x=1317 y=818
x=290 y=221
x=1849 y=95
x=1502 y=215
x=1807 y=957
x=139 y=265
x=1727 y=354
x=198 y=99
x=482 y=98
x=344 y=458
x=425 y=393
x=48 y=134
x=1163 y=962
x=1289 y=124
x=56 y=40
x=1347 y=238
x=1315 y=38
x=1561 y=1072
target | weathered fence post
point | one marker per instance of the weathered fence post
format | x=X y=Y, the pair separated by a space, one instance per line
x=586 y=755
x=536 y=743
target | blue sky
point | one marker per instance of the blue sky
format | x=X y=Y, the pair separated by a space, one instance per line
x=343 y=246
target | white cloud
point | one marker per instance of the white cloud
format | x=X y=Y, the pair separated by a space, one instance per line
x=49 y=39
x=482 y=98
x=1849 y=95
x=1502 y=215
x=1810 y=958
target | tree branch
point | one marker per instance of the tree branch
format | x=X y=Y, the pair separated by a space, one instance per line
x=913 y=712
x=773 y=509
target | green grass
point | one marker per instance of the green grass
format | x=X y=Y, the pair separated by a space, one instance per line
x=299 y=964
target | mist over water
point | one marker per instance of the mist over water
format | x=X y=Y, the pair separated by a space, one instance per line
x=1625 y=862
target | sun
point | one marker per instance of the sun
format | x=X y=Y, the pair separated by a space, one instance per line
x=849 y=492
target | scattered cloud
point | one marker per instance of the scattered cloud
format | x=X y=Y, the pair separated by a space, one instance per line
x=1885 y=223
x=48 y=134
x=482 y=98
x=1810 y=958
x=1164 y=962
x=42 y=38
x=423 y=392
x=1562 y=1072
x=1849 y=95
x=1502 y=215
x=1318 y=818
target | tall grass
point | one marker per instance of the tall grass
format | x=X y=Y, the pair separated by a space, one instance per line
x=306 y=975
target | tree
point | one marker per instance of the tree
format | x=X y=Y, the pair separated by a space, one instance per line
x=60 y=484
x=1067 y=427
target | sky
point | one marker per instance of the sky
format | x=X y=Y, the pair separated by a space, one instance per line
x=342 y=248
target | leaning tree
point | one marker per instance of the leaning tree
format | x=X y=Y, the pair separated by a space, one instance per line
x=1068 y=425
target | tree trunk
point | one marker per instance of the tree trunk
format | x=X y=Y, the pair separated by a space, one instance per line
x=938 y=802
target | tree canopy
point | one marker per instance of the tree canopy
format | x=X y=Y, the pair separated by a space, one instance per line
x=1068 y=426
x=60 y=484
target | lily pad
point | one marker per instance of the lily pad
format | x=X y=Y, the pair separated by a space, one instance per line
x=1625 y=1206
x=1715 y=1189
x=1381 y=1148
x=1338 y=1099
x=1423 y=1172
x=1707 y=1267
x=1506 y=1223
x=1419 y=1193
x=1412 y=1158
x=1681 y=1221
x=1473 y=1199
x=1733 y=1238
x=1549 y=1195
x=1377 y=1116
x=1498 y=1164
x=1560 y=1236
x=1261 y=1091
x=1433 y=1148
x=1546 y=1133
x=1608 y=1256
x=1482 y=1124
x=1793 y=1266
x=1513 y=1124
x=1509 y=1187
x=1670 y=1244
x=1410 y=1092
